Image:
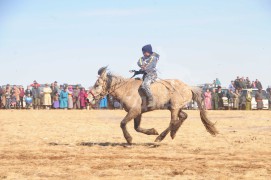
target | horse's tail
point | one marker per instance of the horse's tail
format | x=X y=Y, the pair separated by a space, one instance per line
x=197 y=96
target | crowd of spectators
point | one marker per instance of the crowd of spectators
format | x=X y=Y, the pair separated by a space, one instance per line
x=237 y=96
x=44 y=97
x=52 y=96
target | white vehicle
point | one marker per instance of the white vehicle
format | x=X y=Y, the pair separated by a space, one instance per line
x=253 y=102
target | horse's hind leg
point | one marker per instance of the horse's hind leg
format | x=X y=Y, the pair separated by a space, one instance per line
x=176 y=124
x=162 y=135
x=173 y=126
x=137 y=127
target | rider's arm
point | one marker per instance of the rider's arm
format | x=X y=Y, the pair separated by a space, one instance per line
x=140 y=62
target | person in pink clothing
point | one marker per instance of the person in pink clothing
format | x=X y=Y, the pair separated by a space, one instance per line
x=208 y=99
x=83 y=98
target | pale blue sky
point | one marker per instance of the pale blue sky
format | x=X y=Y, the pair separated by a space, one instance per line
x=68 y=41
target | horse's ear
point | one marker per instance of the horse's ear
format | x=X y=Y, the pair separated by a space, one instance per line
x=102 y=72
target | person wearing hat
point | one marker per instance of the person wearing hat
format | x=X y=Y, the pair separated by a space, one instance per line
x=35 y=83
x=147 y=65
x=47 y=101
x=36 y=95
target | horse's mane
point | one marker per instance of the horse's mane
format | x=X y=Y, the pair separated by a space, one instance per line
x=113 y=79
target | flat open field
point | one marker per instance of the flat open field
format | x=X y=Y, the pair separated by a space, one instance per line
x=89 y=144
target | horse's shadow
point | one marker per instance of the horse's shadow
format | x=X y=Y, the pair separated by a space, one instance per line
x=109 y=144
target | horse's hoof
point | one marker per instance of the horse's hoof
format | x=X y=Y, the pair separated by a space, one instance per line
x=129 y=140
x=158 y=139
x=154 y=132
x=128 y=146
x=173 y=134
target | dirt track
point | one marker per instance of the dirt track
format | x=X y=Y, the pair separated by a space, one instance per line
x=89 y=144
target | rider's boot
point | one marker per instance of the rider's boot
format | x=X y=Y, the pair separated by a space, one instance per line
x=150 y=103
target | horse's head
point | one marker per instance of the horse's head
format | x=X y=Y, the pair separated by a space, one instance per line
x=100 y=89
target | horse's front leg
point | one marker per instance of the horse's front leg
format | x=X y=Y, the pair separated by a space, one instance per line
x=131 y=115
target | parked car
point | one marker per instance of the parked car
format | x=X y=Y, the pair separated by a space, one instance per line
x=253 y=102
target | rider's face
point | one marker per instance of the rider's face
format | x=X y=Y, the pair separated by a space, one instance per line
x=146 y=54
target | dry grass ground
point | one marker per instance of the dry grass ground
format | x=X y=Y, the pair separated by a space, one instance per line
x=89 y=145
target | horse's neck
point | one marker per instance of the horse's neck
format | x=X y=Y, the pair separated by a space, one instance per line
x=118 y=88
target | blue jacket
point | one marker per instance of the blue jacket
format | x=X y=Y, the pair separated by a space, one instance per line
x=149 y=62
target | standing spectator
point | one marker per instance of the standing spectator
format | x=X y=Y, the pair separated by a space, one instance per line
x=56 y=85
x=35 y=84
x=236 y=98
x=16 y=94
x=47 y=101
x=21 y=96
x=63 y=98
x=3 y=98
x=217 y=82
x=103 y=103
x=230 y=99
x=248 y=100
x=208 y=99
x=83 y=98
x=28 y=97
x=236 y=83
x=61 y=88
x=220 y=98
x=36 y=96
x=259 y=99
x=231 y=86
x=76 y=99
x=253 y=85
x=7 y=96
x=248 y=82
x=54 y=91
x=70 y=98
x=12 y=99
x=258 y=84
x=214 y=83
x=214 y=100
x=242 y=83
x=56 y=101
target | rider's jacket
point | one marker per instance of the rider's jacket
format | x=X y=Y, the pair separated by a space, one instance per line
x=149 y=63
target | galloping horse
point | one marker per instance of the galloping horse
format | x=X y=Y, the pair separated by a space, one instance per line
x=172 y=94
